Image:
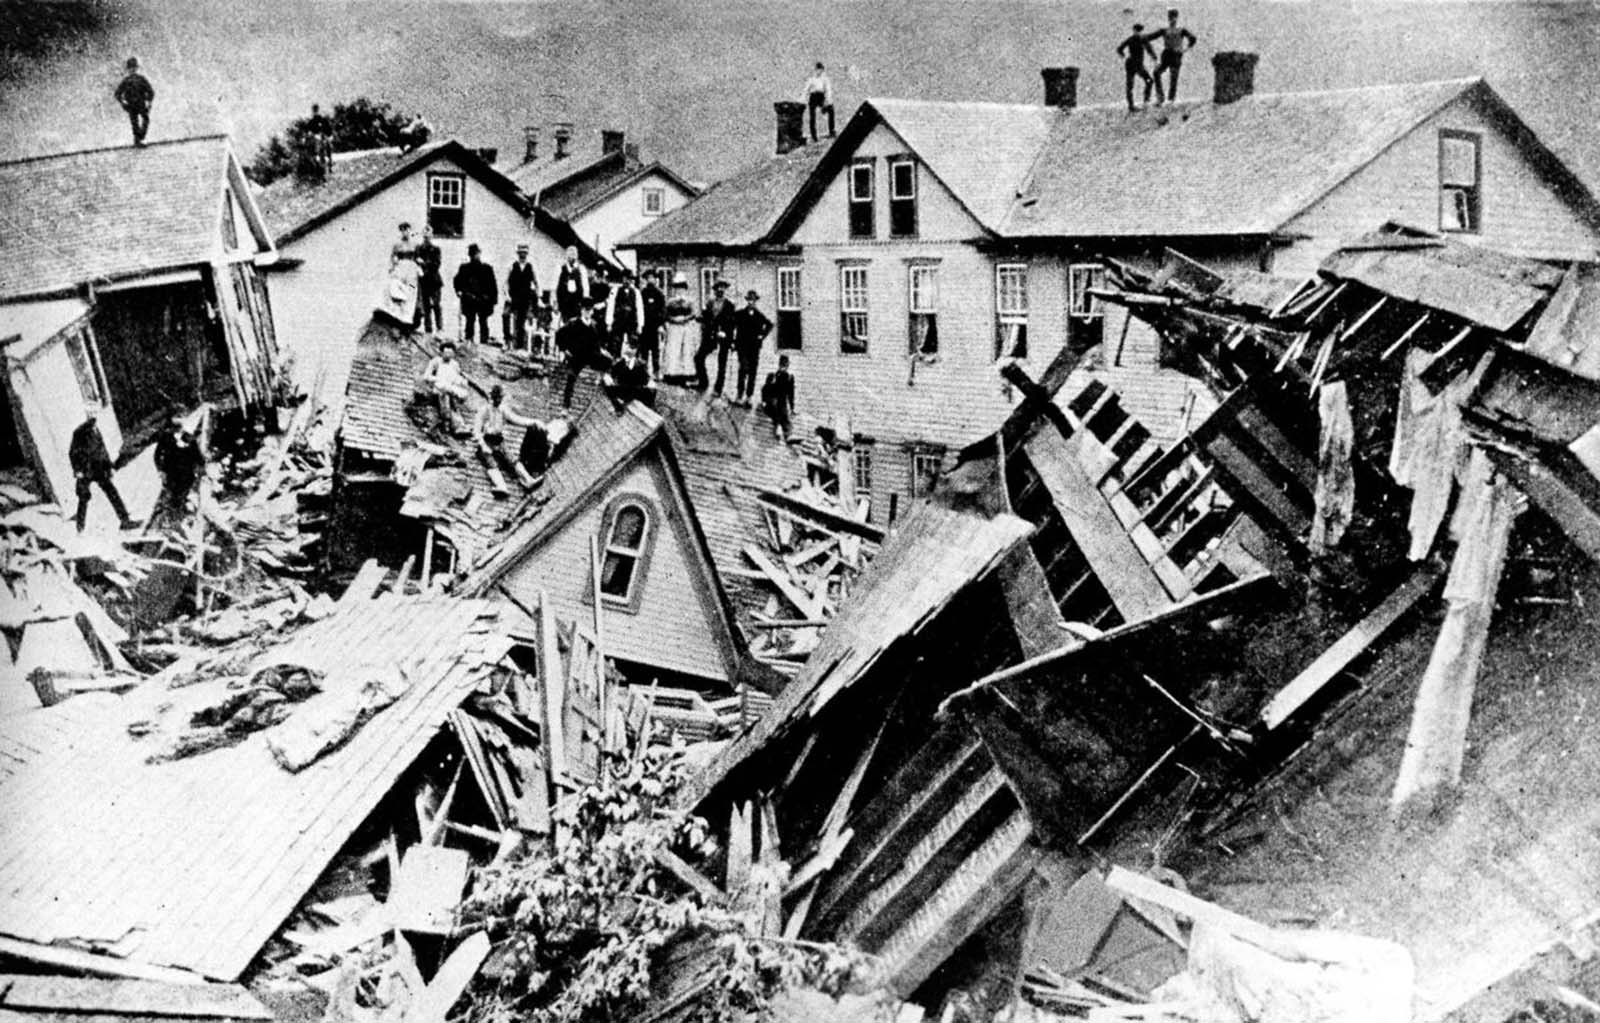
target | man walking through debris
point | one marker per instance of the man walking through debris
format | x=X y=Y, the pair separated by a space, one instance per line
x=477 y=292
x=716 y=335
x=521 y=286
x=181 y=462
x=447 y=385
x=430 y=283
x=751 y=328
x=490 y=432
x=819 y=96
x=623 y=309
x=1133 y=51
x=1175 y=42
x=653 y=313
x=629 y=380
x=572 y=287
x=777 y=398
x=581 y=343
x=135 y=94
x=91 y=464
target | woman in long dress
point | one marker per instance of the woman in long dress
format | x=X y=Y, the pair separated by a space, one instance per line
x=680 y=342
x=399 y=299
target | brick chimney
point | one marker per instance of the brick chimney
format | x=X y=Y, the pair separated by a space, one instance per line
x=1235 y=75
x=791 y=125
x=630 y=153
x=1060 y=87
x=611 y=141
x=563 y=136
x=530 y=143
x=488 y=154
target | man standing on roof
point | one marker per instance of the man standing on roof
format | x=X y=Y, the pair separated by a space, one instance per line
x=1133 y=51
x=777 y=398
x=448 y=386
x=624 y=307
x=477 y=291
x=405 y=248
x=430 y=284
x=819 y=96
x=91 y=464
x=581 y=343
x=653 y=311
x=521 y=287
x=490 y=433
x=750 y=329
x=717 y=328
x=320 y=127
x=628 y=380
x=1175 y=42
x=135 y=94
x=572 y=287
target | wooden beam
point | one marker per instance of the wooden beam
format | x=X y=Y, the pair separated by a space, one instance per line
x=599 y=647
x=1336 y=658
x=123 y=997
x=552 y=683
x=807 y=605
x=95 y=964
x=1407 y=336
x=674 y=864
x=813 y=517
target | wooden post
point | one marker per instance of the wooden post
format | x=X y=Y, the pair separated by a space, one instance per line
x=599 y=649
x=844 y=462
x=427 y=563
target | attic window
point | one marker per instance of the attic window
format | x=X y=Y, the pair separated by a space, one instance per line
x=902 y=198
x=862 y=175
x=655 y=202
x=624 y=551
x=1460 y=181
x=447 y=205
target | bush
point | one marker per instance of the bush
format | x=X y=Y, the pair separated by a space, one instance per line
x=360 y=124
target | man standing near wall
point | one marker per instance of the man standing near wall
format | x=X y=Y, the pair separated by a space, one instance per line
x=91 y=465
x=477 y=291
x=716 y=335
x=430 y=284
x=572 y=288
x=623 y=310
x=180 y=462
x=751 y=328
x=653 y=306
x=521 y=287
x=135 y=94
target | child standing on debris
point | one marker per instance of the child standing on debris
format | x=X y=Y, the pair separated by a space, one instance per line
x=1133 y=51
x=91 y=464
x=135 y=94
x=490 y=431
x=777 y=398
x=448 y=385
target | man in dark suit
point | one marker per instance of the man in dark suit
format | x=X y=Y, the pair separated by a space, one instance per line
x=91 y=464
x=430 y=285
x=716 y=335
x=477 y=291
x=581 y=343
x=521 y=286
x=135 y=94
x=624 y=308
x=572 y=288
x=653 y=302
x=750 y=328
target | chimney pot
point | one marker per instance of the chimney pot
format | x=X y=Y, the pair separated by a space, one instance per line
x=530 y=143
x=563 y=135
x=630 y=152
x=488 y=154
x=1235 y=75
x=791 y=125
x=611 y=141
x=1060 y=87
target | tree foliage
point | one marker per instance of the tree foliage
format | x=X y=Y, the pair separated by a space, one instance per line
x=360 y=124
x=582 y=932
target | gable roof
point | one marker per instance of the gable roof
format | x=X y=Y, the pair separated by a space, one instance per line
x=740 y=210
x=101 y=215
x=295 y=208
x=574 y=201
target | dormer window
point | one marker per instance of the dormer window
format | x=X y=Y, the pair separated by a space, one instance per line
x=902 y=198
x=1460 y=181
x=862 y=188
x=626 y=535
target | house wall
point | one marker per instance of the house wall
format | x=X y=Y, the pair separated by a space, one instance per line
x=677 y=626
x=1523 y=214
x=160 y=351
x=320 y=306
x=623 y=214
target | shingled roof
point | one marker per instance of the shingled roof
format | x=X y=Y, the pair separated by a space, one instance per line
x=739 y=210
x=101 y=215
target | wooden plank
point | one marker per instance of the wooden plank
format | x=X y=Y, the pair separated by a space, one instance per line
x=1265 y=493
x=802 y=600
x=552 y=680
x=678 y=868
x=1197 y=909
x=477 y=759
x=740 y=847
x=813 y=517
x=93 y=963
x=1035 y=618
x=433 y=1005
x=1400 y=342
x=1348 y=647
x=599 y=648
x=125 y=997
x=425 y=894
x=1110 y=552
x=368 y=578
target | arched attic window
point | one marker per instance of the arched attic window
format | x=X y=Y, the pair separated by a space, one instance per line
x=626 y=536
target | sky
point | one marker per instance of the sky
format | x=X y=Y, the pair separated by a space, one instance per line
x=694 y=82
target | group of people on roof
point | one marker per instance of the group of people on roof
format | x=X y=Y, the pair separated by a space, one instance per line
x=1175 y=42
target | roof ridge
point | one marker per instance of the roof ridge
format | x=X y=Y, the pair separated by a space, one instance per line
x=39 y=157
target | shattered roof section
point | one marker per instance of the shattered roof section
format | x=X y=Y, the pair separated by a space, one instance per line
x=934 y=552
x=1567 y=335
x=195 y=863
x=1484 y=286
x=740 y=209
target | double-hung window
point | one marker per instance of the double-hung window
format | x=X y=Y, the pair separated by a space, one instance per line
x=1460 y=181
x=923 y=293
x=861 y=466
x=447 y=205
x=853 y=322
x=926 y=465
x=902 y=198
x=655 y=201
x=862 y=189
x=1082 y=280
x=625 y=546
x=709 y=275
x=788 y=308
x=1011 y=311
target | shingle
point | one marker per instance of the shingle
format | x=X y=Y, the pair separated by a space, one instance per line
x=740 y=209
x=289 y=202
x=101 y=214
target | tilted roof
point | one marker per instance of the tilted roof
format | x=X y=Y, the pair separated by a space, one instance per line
x=101 y=215
x=739 y=210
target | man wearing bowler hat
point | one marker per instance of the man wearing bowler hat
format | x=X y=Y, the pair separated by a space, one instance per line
x=521 y=285
x=716 y=335
x=477 y=292
x=750 y=328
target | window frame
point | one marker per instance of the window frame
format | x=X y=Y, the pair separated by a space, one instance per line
x=447 y=220
x=659 y=194
x=847 y=338
x=861 y=214
x=1004 y=317
x=629 y=601
x=789 y=326
x=928 y=310
x=898 y=202
x=861 y=456
x=86 y=364
x=1080 y=304
x=708 y=290
x=921 y=453
x=1453 y=192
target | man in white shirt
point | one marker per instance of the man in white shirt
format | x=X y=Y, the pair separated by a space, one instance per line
x=819 y=95
x=447 y=384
